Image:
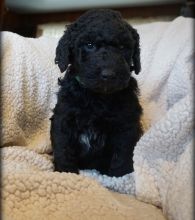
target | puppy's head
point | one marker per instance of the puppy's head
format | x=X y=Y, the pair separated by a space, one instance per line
x=102 y=49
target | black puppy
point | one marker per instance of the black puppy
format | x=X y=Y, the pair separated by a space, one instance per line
x=96 y=121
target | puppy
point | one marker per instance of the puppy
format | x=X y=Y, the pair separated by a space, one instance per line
x=96 y=121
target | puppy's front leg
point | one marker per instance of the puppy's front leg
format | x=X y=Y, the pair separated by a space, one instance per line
x=64 y=146
x=123 y=146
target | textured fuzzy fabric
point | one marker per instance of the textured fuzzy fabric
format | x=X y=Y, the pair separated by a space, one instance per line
x=162 y=157
x=31 y=190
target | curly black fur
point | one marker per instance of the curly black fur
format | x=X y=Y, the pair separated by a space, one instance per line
x=96 y=121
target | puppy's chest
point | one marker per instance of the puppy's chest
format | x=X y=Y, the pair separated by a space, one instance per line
x=94 y=128
x=96 y=122
x=98 y=118
x=91 y=141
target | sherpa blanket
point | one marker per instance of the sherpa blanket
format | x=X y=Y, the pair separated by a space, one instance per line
x=162 y=157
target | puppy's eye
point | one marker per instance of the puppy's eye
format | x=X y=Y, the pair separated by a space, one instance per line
x=90 y=47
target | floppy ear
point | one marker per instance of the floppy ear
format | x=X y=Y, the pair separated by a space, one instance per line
x=136 y=52
x=63 y=51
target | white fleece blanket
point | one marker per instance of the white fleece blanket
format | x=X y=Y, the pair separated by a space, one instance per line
x=162 y=157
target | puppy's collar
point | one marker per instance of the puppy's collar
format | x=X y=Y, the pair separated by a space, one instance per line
x=76 y=77
x=78 y=80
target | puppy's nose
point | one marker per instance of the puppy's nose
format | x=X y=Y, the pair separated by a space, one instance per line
x=107 y=74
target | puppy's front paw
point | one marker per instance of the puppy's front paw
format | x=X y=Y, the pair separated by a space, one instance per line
x=120 y=171
x=67 y=169
x=120 y=166
x=115 y=173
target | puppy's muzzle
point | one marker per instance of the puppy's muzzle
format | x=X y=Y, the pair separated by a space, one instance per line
x=107 y=74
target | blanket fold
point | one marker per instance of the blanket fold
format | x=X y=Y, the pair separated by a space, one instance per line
x=162 y=158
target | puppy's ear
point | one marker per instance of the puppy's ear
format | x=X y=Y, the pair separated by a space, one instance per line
x=136 y=52
x=63 y=51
